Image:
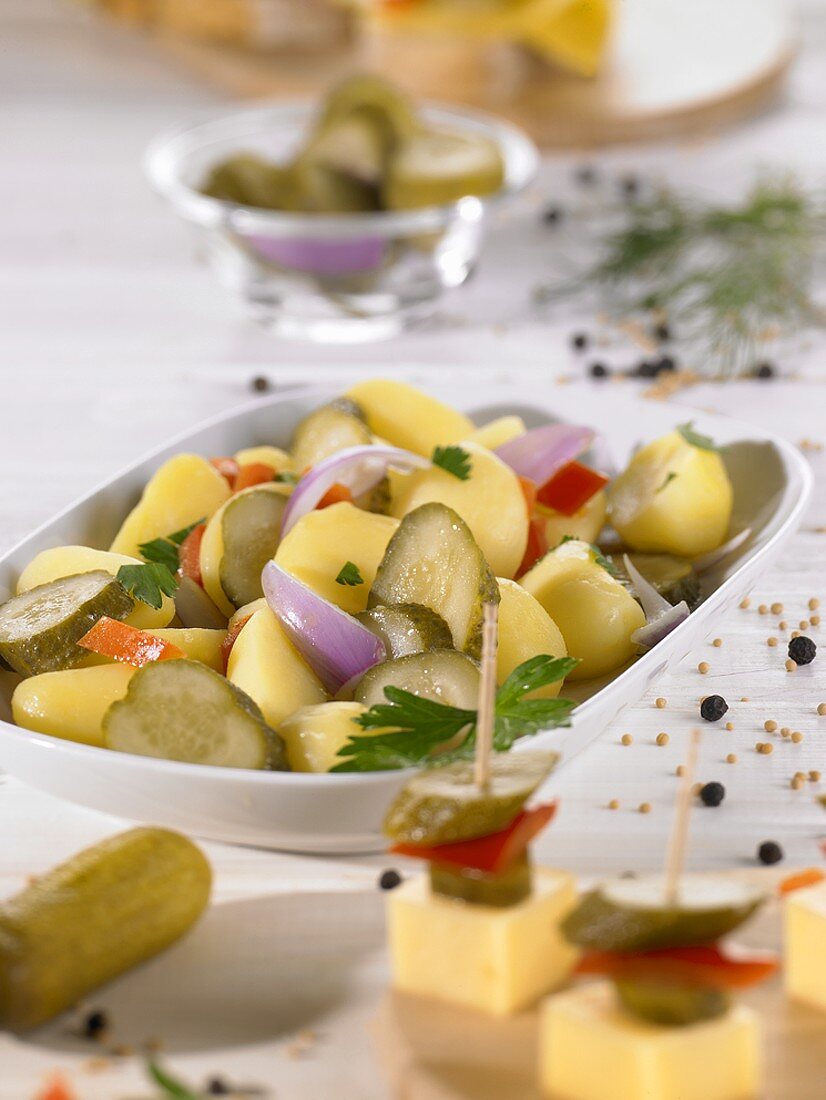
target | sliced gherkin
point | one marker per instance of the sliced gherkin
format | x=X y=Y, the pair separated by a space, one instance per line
x=250 y=180
x=434 y=560
x=250 y=526
x=669 y=1003
x=442 y=675
x=673 y=577
x=479 y=888
x=182 y=710
x=354 y=146
x=318 y=189
x=105 y=910
x=325 y=431
x=371 y=99
x=407 y=628
x=40 y=629
x=634 y=914
x=435 y=167
x=442 y=805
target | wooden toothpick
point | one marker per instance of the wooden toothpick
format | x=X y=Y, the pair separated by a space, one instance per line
x=487 y=695
x=679 y=834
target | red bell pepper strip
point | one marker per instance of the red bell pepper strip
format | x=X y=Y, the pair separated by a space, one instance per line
x=230 y=638
x=570 y=488
x=491 y=854
x=336 y=494
x=125 y=643
x=226 y=467
x=536 y=547
x=701 y=965
x=810 y=877
x=255 y=473
x=189 y=554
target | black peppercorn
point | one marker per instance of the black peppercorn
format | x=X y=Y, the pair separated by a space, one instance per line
x=644 y=369
x=586 y=175
x=552 y=215
x=389 y=880
x=802 y=650
x=598 y=370
x=764 y=370
x=713 y=707
x=95 y=1024
x=630 y=186
x=661 y=333
x=665 y=364
x=260 y=384
x=769 y=852
x=579 y=341
x=712 y=794
x=217 y=1086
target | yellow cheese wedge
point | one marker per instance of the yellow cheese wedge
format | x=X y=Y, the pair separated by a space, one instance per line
x=804 y=945
x=70 y=704
x=573 y=33
x=591 y=1050
x=185 y=489
x=495 y=960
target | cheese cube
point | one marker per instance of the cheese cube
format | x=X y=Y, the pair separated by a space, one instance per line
x=494 y=960
x=805 y=945
x=590 y=1049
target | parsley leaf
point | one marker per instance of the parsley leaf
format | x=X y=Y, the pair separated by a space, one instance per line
x=349 y=574
x=411 y=729
x=148 y=583
x=164 y=550
x=697 y=439
x=455 y=460
x=170 y=1085
x=669 y=477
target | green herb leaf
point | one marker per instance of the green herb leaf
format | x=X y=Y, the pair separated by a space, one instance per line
x=170 y=1085
x=165 y=550
x=669 y=477
x=286 y=477
x=413 y=729
x=349 y=574
x=455 y=460
x=697 y=439
x=599 y=557
x=148 y=583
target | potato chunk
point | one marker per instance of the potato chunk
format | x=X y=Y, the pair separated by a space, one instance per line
x=525 y=630
x=70 y=704
x=408 y=418
x=313 y=735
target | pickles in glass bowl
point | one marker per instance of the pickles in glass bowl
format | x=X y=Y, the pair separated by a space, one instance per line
x=343 y=221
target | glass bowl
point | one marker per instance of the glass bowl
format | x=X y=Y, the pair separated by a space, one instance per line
x=329 y=277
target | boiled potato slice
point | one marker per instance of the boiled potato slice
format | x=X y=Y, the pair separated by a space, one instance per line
x=264 y=664
x=198 y=643
x=66 y=561
x=323 y=541
x=496 y=432
x=313 y=735
x=184 y=490
x=595 y=614
x=212 y=545
x=525 y=630
x=490 y=502
x=70 y=704
x=325 y=431
x=269 y=456
x=673 y=497
x=408 y=418
x=585 y=524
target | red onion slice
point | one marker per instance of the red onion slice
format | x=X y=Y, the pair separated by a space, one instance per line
x=360 y=469
x=661 y=616
x=539 y=453
x=713 y=557
x=334 y=644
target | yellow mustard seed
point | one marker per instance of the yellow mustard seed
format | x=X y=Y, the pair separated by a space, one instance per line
x=746 y=602
x=680 y=770
x=821 y=709
x=799 y=775
x=703 y=667
x=744 y=698
x=790 y=665
x=645 y=807
x=814 y=620
x=797 y=783
x=662 y=739
x=770 y=726
x=731 y=758
x=814 y=604
x=763 y=609
x=764 y=747
x=777 y=609
x=797 y=737
x=814 y=775
x=795 y=633
x=613 y=804
x=626 y=739
x=804 y=624
x=783 y=625
x=771 y=642
x=717 y=643
x=660 y=703
x=729 y=726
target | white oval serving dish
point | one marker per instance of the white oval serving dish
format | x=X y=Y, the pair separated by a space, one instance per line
x=342 y=813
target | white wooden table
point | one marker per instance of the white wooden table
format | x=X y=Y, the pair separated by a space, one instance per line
x=112 y=337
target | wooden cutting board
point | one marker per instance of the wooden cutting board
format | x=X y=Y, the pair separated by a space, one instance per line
x=674 y=68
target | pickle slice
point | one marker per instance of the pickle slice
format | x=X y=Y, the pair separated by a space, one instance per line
x=249 y=180
x=353 y=146
x=479 y=888
x=673 y=577
x=39 y=629
x=633 y=914
x=327 y=430
x=434 y=167
x=669 y=1003
x=105 y=910
x=407 y=628
x=433 y=560
x=319 y=189
x=442 y=805
x=251 y=527
x=370 y=99
x=443 y=675
x=182 y=710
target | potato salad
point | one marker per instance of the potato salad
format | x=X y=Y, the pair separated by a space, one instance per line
x=316 y=603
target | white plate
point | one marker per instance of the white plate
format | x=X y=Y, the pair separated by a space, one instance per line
x=342 y=813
